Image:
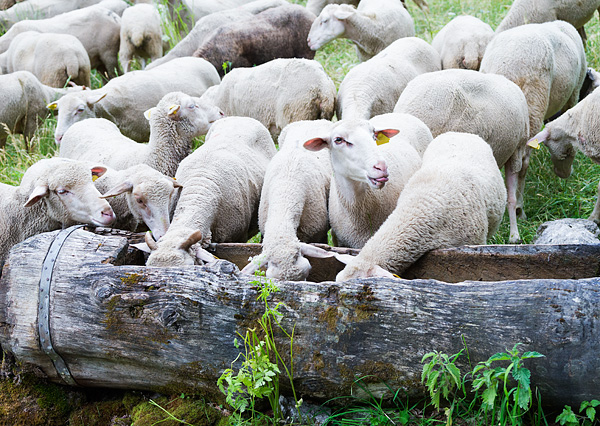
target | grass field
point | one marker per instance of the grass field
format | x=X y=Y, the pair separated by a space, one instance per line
x=547 y=197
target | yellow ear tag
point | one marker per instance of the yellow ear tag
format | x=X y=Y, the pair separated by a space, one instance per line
x=397 y=276
x=52 y=106
x=94 y=178
x=381 y=139
x=173 y=109
x=534 y=143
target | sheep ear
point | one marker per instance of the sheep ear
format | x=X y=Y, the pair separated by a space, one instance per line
x=91 y=100
x=98 y=171
x=204 y=255
x=343 y=13
x=255 y=264
x=192 y=239
x=173 y=110
x=313 y=251
x=149 y=239
x=316 y=144
x=541 y=137
x=344 y=258
x=143 y=247
x=52 y=106
x=148 y=113
x=36 y=195
x=118 y=190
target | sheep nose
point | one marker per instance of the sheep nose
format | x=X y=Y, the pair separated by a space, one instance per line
x=381 y=166
x=108 y=215
x=58 y=138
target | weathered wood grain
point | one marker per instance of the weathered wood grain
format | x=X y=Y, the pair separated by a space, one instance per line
x=172 y=329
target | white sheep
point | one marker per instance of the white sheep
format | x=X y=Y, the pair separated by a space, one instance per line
x=374 y=86
x=141 y=35
x=293 y=204
x=576 y=129
x=372 y=26
x=457 y=197
x=316 y=6
x=209 y=23
x=174 y=123
x=96 y=27
x=575 y=12
x=487 y=105
x=462 y=42
x=40 y=9
x=367 y=178
x=23 y=103
x=547 y=61
x=222 y=181
x=54 y=59
x=124 y=100
x=201 y=8
x=139 y=195
x=276 y=93
x=409 y=127
x=53 y=193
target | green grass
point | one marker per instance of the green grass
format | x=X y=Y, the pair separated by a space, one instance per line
x=546 y=196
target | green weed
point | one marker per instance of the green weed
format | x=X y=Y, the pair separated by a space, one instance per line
x=568 y=418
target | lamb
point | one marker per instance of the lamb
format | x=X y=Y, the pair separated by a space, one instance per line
x=54 y=59
x=316 y=6
x=174 y=123
x=547 y=61
x=461 y=42
x=409 y=127
x=141 y=35
x=278 y=32
x=222 y=181
x=575 y=12
x=372 y=26
x=457 y=197
x=374 y=86
x=39 y=9
x=293 y=204
x=96 y=27
x=576 y=129
x=207 y=24
x=23 y=105
x=148 y=197
x=53 y=193
x=487 y=105
x=289 y=90
x=124 y=100
x=363 y=192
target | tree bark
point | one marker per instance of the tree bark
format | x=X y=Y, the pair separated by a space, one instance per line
x=117 y=324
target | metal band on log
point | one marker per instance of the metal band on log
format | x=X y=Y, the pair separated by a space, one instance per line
x=119 y=325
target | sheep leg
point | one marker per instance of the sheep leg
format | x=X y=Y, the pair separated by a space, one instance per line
x=521 y=184
x=512 y=178
x=595 y=216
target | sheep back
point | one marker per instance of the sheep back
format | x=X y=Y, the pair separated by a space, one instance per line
x=277 y=93
x=547 y=61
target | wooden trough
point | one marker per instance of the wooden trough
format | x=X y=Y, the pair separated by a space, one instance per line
x=89 y=313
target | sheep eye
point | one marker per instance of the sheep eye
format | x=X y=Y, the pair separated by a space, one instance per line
x=61 y=191
x=193 y=106
x=338 y=140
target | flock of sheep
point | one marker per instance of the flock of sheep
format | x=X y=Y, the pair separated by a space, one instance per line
x=411 y=163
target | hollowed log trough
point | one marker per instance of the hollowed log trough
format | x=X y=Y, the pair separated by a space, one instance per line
x=112 y=322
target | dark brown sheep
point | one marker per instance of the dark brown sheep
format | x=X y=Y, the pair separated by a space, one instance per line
x=279 y=32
